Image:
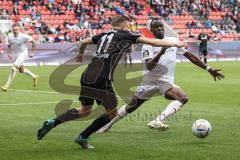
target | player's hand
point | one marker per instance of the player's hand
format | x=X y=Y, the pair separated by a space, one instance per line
x=216 y=74
x=181 y=44
x=79 y=58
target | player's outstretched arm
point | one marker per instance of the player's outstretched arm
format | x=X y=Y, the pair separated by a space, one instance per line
x=82 y=46
x=160 y=42
x=195 y=60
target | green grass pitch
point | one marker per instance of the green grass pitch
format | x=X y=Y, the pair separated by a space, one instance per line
x=22 y=112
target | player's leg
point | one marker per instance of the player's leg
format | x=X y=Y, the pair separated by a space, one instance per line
x=82 y=138
x=205 y=55
x=200 y=53
x=110 y=104
x=143 y=93
x=106 y=97
x=179 y=99
x=69 y=115
x=27 y=72
x=10 y=78
x=122 y=112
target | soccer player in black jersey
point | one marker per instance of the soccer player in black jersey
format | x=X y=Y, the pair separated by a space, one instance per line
x=96 y=80
x=203 y=47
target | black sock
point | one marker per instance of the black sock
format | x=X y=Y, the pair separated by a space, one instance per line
x=69 y=115
x=57 y=122
x=95 y=126
x=205 y=60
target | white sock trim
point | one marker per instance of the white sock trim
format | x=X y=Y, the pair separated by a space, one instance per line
x=122 y=111
x=171 y=109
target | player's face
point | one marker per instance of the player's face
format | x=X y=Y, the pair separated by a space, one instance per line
x=126 y=26
x=157 y=29
x=15 y=30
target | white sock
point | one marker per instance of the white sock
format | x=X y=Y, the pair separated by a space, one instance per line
x=11 y=77
x=121 y=113
x=171 y=109
x=29 y=73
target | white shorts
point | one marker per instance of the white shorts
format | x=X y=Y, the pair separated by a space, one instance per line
x=147 y=91
x=20 y=60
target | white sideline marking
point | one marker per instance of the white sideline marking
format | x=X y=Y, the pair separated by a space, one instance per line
x=33 y=91
x=134 y=61
x=37 y=103
x=52 y=92
x=30 y=103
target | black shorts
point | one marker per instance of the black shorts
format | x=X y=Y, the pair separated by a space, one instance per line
x=203 y=51
x=101 y=91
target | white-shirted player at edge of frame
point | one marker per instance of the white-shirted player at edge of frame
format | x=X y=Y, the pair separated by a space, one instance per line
x=17 y=47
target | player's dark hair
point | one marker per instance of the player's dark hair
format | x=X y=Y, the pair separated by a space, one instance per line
x=116 y=21
x=15 y=25
x=153 y=20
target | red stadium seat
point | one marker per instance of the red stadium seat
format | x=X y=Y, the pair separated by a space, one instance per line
x=21 y=3
x=30 y=31
x=44 y=8
x=20 y=7
x=48 y=12
x=38 y=8
x=63 y=8
x=179 y=22
x=9 y=3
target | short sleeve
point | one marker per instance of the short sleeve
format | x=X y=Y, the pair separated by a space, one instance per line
x=133 y=37
x=182 y=50
x=96 y=38
x=27 y=38
x=147 y=52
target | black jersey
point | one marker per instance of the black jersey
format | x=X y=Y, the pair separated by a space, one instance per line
x=111 y=46
x=204 y=39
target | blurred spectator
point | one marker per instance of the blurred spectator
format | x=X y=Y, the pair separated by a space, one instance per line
x=85 y=18
x=215 y=29
x=15 y=2
x=208 y=24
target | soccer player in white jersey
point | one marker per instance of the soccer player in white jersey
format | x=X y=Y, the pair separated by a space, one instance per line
x=17 y=47
x=159 y=78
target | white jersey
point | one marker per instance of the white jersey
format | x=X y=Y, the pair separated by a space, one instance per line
x=164 y=70
x=18 y=44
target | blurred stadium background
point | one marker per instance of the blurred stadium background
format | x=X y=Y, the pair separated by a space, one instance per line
x=57 y=25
